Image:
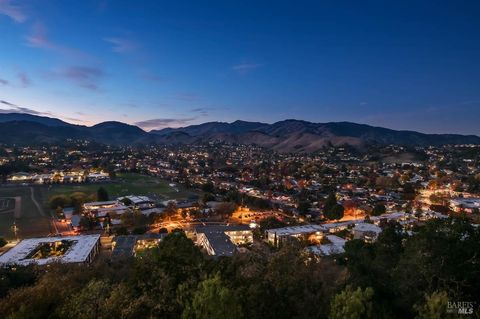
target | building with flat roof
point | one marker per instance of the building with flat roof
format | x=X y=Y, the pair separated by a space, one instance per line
x=129 y=245
x=42 y=251
x=335 y=246
x=101 y=209
x=311 y=232
x=138 y=201
x=367 y=232
x=465 y=204
x=222 y=240
x=95 y=177
x=338 y=226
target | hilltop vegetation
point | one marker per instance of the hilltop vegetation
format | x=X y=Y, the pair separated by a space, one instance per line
x=399 y=276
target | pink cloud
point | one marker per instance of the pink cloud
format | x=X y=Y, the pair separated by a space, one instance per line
x=38 y=37
x=14 y=12
x=83 y=76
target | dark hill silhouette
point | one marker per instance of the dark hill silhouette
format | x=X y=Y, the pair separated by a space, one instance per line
x=283 y=136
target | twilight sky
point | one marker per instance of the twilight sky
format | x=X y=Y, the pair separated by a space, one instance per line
x=398 y=64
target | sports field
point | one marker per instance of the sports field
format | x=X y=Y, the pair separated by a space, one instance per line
x=24 y=205
x=28 y=206
x=128 y=184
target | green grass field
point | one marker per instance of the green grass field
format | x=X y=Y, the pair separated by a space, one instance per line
x=35 y=222
x=127 y=184
x=32 y=221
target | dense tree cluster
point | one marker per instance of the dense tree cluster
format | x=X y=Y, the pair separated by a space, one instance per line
x=399 y=276
x=407 y=272
x=331 y=209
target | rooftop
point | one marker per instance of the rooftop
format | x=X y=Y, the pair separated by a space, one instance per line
x=218 y=238
x=220 y=228
x=364 y=227
x=295 y=230
x=78 y=252
x=136 y=199
x=125 y=245
x=466 y=202
x=336 y=246
x=110 y=202
x=221 y=243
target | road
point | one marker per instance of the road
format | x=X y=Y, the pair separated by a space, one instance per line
x=32 y=197
x=56 y=225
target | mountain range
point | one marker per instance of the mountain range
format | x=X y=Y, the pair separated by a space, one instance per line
x=283 y=136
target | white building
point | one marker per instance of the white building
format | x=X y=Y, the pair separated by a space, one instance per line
x=138 y=201
x=20 y=177
x=335 y=246
x=466 y=204
x=42 y=251
x=222 y=240
x=95 y=177
x=339 y=226
x=367 y=232
x=312 y=232
x=100 y=209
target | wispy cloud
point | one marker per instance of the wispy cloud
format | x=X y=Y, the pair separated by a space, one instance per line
x=135 y=54
x=84 y=76
x=7 y=103
x=13 y=108
x=38 y=37
x=122 y=45
x=14 y=12
x=245 y=68
x=24 y=79
x=8 y=107
x=163 y=123
x=202 y=111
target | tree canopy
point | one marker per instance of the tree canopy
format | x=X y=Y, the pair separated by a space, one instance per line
x=102 y=195
x=378 y=210
x=334 y=213
x=401 y=275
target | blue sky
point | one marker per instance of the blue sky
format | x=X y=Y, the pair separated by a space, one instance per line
x=398 y=64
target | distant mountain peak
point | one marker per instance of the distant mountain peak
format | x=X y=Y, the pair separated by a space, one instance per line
x=283 y=136
x=49 y=121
